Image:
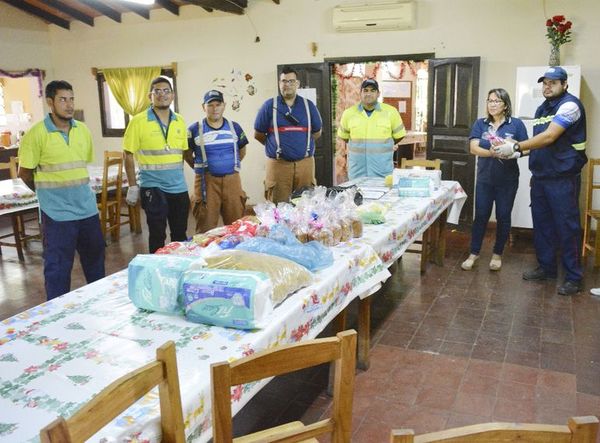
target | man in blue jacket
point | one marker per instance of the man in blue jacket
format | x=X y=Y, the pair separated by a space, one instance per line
x=557 y=157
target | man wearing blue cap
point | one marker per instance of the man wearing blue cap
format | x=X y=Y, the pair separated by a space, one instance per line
x=217 y=147
x=371 y=131
x=557 y=157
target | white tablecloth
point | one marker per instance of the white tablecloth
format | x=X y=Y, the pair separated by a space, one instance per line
x=56 y=356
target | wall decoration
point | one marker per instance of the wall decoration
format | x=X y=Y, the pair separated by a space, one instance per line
x=234 y=87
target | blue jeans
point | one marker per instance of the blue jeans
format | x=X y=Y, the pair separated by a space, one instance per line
x=486 y=195
x=61 y=239
x=556 y=225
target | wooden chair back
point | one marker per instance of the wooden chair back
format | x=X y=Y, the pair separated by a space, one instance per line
x=422 y=163
x=111 y=194
x=578 y=430
x=340 y=349
x=591 y=213
x=121 y=394
x=14 y=167
x=429 y=243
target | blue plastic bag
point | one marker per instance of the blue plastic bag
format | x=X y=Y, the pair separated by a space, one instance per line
x=283 y=243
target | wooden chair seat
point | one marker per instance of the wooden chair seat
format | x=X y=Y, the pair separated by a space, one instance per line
x=578 y=430
x=281 y=360
x=120 y=395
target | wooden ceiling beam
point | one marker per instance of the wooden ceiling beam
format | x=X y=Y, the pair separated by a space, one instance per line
x=103 y=9
x=171 y=7
x=231 y=6
x=44 y=15
x=139 y=10
x=75 y=13
x=276 y=2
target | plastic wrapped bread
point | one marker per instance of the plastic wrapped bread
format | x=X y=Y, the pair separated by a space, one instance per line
x=153 y=281
x=286 y=276
x=225 y=297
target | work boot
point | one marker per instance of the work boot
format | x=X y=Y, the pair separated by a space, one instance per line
x=537 y=274
x=570 y=287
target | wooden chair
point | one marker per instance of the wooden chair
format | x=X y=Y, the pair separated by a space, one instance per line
x=111 y=195
x=340 y=349
x=578 y=430
x=121 y=394
x=591 y=214
x=432 y=239
x=22 y=220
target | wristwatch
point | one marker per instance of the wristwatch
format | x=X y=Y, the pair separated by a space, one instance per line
x=517 y=147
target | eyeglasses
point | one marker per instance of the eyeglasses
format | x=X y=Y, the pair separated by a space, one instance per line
x=165 y=91
x=288 y=82
x=494 y=102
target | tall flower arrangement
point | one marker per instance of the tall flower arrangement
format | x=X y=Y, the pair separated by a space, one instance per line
x=558 y=30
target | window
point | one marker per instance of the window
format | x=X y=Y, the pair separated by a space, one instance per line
x=114 y=120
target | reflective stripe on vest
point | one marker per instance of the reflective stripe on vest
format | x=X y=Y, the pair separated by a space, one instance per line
x=161 y=166
x=171 y=151
x=276 y=128
x=62 y=166
x=61 y=184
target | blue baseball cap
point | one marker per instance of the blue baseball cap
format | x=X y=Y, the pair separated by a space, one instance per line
x=370 y=82
x=554 y=73
x=213 y=95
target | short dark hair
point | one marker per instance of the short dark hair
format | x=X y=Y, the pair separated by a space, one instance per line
x=160 y=79
x=289 y=70
x=56 y=85
x=502 y=95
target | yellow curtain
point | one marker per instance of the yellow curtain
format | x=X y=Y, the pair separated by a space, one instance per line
x=130 y=86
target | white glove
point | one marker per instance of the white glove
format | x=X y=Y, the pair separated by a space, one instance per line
x=133 y=194
x=505 y=150
x=515 y=155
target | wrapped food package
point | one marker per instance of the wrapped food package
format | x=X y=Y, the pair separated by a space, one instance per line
x=286 y=276
x=153 y=281
x=229 y=298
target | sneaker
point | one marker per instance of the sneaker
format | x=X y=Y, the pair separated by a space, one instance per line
x=468 y=264
x=595 y=291
x=496 y=262
x=537 y=274
x=570 y=287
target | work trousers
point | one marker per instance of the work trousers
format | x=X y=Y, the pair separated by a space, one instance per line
x=283 y=177
x=556 y=224
x=486 y=195
x=224 y=197
x=162 y=207
x=60 y=241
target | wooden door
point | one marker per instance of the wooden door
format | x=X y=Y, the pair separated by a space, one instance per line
x=452 y=109
x=317 y=76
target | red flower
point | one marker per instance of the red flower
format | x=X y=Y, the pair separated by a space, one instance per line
x=558 y=31
x=558 y=18
x=548 y=22
x=237 y=393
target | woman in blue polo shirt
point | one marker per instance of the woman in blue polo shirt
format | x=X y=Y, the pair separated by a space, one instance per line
x=497 y=179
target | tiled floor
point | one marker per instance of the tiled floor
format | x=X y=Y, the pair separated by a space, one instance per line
x=449 y=348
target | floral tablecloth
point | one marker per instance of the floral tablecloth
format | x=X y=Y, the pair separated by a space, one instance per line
x=408 y=217
x=56 y=356
x=14 y=193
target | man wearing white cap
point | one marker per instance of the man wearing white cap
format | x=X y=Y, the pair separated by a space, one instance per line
x=557 y=157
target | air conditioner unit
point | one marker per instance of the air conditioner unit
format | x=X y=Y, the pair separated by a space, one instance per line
x=389 y=16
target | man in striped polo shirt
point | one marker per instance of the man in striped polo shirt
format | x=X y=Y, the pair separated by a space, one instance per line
x=216 y=149
x=53 y=159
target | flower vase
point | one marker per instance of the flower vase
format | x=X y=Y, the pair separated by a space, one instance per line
x=554 y=59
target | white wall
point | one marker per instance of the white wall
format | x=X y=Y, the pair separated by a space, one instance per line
x=506 y=34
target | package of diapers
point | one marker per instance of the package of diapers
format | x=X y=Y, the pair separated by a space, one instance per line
x=435 y=175
x=414 y=187
x=153 y=281
x=225 y=297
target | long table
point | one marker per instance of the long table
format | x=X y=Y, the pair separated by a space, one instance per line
x=56 y=356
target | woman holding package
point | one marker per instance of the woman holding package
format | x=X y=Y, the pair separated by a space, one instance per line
x=497 y=178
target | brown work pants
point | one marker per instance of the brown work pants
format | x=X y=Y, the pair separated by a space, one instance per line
x=282 y=177
x=224 y=197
